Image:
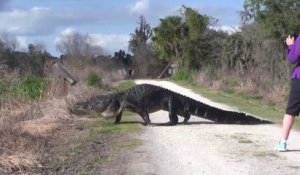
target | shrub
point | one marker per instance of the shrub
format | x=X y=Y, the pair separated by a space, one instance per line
x=93 y=80
x=182 y=76
x=32 y=87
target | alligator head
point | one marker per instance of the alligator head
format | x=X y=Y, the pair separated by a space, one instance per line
x=106 y=105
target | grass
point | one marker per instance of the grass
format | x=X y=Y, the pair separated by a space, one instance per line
x=130 y=144
x=101 y=159
x=124 y=85
x=111 y=140
x=102 y=126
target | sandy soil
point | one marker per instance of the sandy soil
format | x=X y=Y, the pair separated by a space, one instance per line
x=203 y=147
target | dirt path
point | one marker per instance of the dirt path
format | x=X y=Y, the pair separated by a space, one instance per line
x=206 y=148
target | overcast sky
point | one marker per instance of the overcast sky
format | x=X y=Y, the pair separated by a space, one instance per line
x=110 y=21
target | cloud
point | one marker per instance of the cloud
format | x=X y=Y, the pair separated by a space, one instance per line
x=140 y=6
x=22 y=41
x=68 y=31
x=227 y=12
x=40 y=21
x=228 y=29
x=109 y=42
x=112 y=42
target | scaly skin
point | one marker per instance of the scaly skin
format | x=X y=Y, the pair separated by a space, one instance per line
x=145 y=98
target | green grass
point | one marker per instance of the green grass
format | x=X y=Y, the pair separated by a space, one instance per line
x=5 y=90
x=124 y=85
x=101 y=126
x=101 y=159
x=96 y=130
x=251 y=104
x=32 y=87
x=128 y=144
x=93 y=80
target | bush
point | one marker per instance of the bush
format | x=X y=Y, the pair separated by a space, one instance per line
x=32 y=87
x=93 y=80
x=182 y=76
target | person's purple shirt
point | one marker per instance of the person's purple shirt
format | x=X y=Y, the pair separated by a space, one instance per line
x=294 y=58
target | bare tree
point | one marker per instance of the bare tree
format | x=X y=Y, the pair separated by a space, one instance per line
x=10 y=41
x=138 y=45
x=77 y=44
x=78 y=47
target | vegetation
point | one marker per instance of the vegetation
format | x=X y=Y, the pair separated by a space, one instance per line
x=32 y=87
x=122 y=86
x=182 y=76
x=246 y=68
x=93 y=80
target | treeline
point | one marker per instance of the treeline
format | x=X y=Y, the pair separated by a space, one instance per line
x=250 y=60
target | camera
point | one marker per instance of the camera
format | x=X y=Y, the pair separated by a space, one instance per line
x=295 y=35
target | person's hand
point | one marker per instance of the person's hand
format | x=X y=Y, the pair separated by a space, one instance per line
x=289 y=40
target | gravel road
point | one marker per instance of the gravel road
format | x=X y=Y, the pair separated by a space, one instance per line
x=203 y=147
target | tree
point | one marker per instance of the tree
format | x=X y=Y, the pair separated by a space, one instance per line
x=197 y=41
x=140 y=36
x=37 y=55
x=77 y=45
x=180 y=39
x=168 y=37
x=79 y=49
x=278 y=17
x=126 y=59
x=139 y=45
x=8 y=45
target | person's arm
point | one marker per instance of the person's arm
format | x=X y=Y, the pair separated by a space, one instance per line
x=294 y=52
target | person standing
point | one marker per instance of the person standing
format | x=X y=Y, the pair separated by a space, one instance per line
x=293 y=105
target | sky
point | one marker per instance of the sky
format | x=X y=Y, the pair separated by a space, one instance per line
x=110 y=22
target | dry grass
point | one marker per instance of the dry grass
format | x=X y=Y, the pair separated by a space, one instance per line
x=27 y=129
x=108 y=76
x=20 y=148
x=19 y=162
x=258 y=83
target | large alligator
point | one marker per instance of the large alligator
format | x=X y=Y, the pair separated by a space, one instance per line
x=145 y=98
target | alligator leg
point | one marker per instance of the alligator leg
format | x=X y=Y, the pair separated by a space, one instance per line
x=118 y=118
x=186 y=116
x=172 y=112
x=145 y=116
x=133 y=107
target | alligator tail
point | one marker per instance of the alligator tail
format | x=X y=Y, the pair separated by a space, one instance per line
x=226 y=117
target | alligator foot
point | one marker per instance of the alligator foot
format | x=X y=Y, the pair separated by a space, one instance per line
x=147 y=123
x=185 y=123
x=171 y=123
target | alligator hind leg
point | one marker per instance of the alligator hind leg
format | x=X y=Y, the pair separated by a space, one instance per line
x=173 y=119
x=172 y=112
x=145 y=116
x=186 y=116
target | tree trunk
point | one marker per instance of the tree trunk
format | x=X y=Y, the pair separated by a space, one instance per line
x=164 y=71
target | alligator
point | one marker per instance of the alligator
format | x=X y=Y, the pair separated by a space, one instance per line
x=145 y=98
